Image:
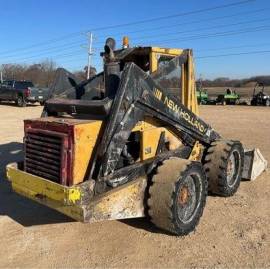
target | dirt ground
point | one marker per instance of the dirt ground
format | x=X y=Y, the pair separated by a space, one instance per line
x=233 y=232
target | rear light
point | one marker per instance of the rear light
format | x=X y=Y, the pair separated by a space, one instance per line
x=27 y=92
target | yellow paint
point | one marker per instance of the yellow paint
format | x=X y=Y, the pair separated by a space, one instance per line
x=188 y=91
x=150 y=130
x=149 y=142
x=33 y=186
x=196 y=152
x=123 y=202
x=73 y=194
x=150 y=139
x=85 y=139
x=156 y=52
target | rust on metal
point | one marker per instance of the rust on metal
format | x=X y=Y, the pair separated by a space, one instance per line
x=183 y=195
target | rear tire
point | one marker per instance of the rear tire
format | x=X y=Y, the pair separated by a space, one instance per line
x=177 y=196
x=223 y=164
x=20 y=102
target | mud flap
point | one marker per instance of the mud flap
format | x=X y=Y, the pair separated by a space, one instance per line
x=254 y=164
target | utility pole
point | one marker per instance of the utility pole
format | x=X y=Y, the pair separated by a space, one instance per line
x=90 y=53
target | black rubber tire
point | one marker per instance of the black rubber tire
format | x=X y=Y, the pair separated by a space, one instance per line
x=237 y=102
x=171 y=178
x=42 y=103
x=219 y=158
x=20 y=102
x=267 y=102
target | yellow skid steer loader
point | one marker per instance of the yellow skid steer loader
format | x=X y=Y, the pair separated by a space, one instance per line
x=129 y=143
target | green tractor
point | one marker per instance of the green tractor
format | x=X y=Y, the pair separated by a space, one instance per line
x=202 y=96
x=229 y=98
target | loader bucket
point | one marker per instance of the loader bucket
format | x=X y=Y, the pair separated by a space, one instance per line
x=67 y=86
x=254 y=164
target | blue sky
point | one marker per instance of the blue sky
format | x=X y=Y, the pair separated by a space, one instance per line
x=35 y=30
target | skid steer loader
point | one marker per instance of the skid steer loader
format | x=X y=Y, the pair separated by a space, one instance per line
x=128 y=143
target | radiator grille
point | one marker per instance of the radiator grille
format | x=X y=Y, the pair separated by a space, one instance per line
x=43 y=155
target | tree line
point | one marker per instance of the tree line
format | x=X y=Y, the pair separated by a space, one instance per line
x=41 y=74
x=227 y=82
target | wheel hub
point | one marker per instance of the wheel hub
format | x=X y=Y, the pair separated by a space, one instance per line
x=232 y=167
x=183 y=195
x=188 y=197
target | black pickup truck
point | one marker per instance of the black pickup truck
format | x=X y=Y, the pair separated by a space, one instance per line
x=22 y=92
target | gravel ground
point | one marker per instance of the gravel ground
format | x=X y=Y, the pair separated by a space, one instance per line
x=233 y=232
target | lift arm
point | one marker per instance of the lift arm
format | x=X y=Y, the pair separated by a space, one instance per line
x=138 y=96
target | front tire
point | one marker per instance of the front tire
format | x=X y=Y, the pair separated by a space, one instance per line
x=177 y=196
x=223 y=164
x=20 y=102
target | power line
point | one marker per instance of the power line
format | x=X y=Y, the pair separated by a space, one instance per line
x=134 y=23
x=222 y=55
x=41 y=54
x=60 y=47
x=190 y=22
x=187 y=38
x=205 y=28
x=233 y=54
x=54 y=48
x=211 y=35
x=40 y=44
x=193 y=30
x=196 y=58
x=55 y=56
x=174 y=15
x=225 y=55
x=66 y=46
x=235 y=47
x=216 y=34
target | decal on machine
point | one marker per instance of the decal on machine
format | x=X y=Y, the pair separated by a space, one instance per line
x=180 y=112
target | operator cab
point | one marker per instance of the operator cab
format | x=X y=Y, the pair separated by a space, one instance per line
x=95 y=95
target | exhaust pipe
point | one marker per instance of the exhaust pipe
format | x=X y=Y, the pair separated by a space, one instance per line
x=111 y=69
x=109 y=49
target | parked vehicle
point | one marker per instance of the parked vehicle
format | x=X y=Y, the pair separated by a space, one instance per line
x=22 y=92
x=228 y=98
x=260 y=98
x=202 y=97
